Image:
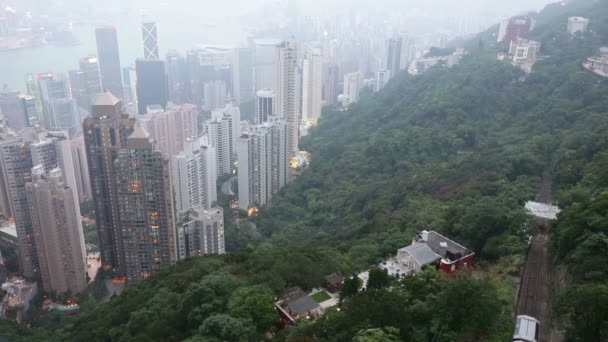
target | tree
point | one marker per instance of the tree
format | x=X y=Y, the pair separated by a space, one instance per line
x=227 y=328
x=387 y=334
x=378 y=278
x=583 y=310
x=350 y=287
x=255 y=303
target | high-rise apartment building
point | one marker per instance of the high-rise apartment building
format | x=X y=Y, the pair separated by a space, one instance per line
x=242 y=75
x=105 y=133
x=151 y=84
x=57 y=228
x=577 y=24
x=150 y=38
x=172 y=128
x=195 y=175
x=16 y=171
x=263 y=162
x=265 y=63
x=223 y=130
x=353 y=83
x=214 y=95
x=393 y=55
x=288 y=92
x=312 y=86
x=331 y=81
x=382 y=77
x=200 y=232
x=265 y=105
x=81 y=168
x=109 y=60
x=145 y=206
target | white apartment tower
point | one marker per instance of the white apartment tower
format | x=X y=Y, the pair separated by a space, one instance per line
x=382 y=77
x=222 y=130
x=195 y=176
x=214 y=95
x=57 y=230
x=263 y=162
x=353 y=83
x=288 y=92
x=312 y=92
x=172 y=128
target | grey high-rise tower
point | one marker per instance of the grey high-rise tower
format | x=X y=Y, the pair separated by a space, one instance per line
x=393 y=55
x=149 y=34
x=105 y=132
x=109 y=60
x=151 y=84
x=146 y=212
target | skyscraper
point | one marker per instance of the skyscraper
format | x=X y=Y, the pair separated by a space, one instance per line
x=200 y=232
x=242 y=75
x=171 y=129
x=382 y=77
x=265 y=64
x=81 y=168
x=195 y=176
x=393 y=55
x=89 y=67
x=109 y=60
x=13 y=109
x=105 y=132
x=31 y=88
x=223 y=130
x=353 y=83
x=148 y=31
x=312 y=85
x=16 y=171
x=214 y=95
x=145 y=205
x=151 y=84
x=177 y=77
x=331 y=80
x=265 y=105
x=263 y=162
x=60 y=111
x=57 y=230
x=19 y=153
x=288 y=92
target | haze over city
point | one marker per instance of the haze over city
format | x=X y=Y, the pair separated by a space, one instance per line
x=303 y=171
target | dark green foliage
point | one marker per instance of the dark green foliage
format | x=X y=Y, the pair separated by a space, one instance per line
x=378 y=278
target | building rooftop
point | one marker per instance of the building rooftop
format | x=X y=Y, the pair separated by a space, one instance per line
x=422 y=253
x=303 y=305
x=292 y=294
x=9 y=229
x=443 y=246
x=105 y=99
x=542 y=210
x=333 y=279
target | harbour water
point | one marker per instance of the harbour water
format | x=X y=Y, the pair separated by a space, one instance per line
x=177 y=31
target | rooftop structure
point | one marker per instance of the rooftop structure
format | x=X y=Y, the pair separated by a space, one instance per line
x=432 y=248
x=597 y=65
x=542 y=210
x=577 y=24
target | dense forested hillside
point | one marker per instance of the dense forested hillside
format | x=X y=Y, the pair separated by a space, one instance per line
x=454 y=150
